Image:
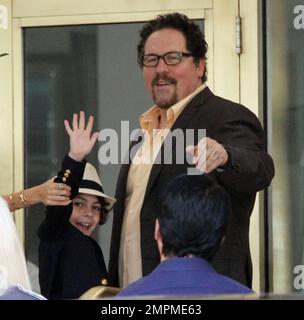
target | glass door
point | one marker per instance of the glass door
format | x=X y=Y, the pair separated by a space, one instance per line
x=78 y=55
x=285 y=98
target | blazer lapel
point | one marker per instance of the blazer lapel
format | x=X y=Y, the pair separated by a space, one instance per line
x=190 y=110
x=181 y=122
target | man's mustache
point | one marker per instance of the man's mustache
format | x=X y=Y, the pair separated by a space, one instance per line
x=164 y=77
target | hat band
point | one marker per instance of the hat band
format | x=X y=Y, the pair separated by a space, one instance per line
x=89 y=184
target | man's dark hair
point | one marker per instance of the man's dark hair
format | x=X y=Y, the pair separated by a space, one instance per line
x=193 y=216
x=195 y=41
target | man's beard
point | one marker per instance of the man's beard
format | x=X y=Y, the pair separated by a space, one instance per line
x=164 y=103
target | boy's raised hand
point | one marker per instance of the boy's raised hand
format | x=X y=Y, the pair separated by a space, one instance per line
x=81 y=140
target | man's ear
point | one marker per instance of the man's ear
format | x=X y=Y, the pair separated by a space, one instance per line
x=201 y=67
x=159 y=240
x=157 y=235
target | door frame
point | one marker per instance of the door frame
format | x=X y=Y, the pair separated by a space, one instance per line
x=239 y=82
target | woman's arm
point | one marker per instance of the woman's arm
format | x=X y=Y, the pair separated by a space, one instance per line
x=48 y=193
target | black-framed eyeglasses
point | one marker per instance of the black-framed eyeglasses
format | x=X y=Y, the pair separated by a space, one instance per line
x=170 y=58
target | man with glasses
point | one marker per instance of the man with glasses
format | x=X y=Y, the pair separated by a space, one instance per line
x=172 y=55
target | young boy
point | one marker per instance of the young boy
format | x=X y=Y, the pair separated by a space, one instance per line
x=70 y=261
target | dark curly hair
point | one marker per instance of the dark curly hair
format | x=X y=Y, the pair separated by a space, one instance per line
x=195 y=41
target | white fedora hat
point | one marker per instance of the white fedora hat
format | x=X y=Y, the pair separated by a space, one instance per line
x=91 y=184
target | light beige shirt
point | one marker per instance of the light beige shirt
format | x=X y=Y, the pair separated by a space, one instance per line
x=130 y=262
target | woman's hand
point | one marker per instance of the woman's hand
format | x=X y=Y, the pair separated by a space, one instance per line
x=51 y=193
x=81 y=140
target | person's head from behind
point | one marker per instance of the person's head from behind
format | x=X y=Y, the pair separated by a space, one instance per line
x=193 y=217
x=13 y=270
x=182 y=68
x=91 y=205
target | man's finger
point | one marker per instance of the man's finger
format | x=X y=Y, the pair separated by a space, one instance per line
x=201 y=162
x=191 y=150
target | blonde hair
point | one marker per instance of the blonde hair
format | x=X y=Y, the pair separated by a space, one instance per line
x=13 y=270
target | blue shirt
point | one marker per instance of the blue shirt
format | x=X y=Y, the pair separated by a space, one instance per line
x=184 y=276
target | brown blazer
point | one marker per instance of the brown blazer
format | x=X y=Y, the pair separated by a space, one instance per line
x=250 y=169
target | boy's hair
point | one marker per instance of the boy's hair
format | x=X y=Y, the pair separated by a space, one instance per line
x=104 y=212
